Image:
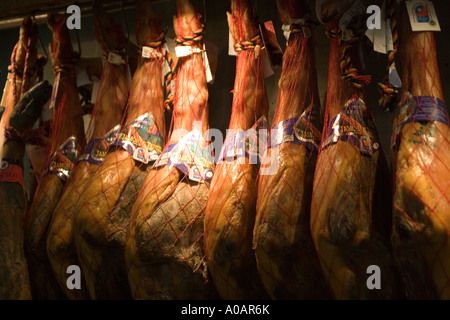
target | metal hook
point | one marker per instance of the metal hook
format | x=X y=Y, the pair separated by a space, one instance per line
x=78 y=37
x=43 y=47
x=33 y=17
x=127 y=37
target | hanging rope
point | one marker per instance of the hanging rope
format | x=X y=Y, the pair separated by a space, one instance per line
x=304 y=28
x=249 y=44
x=388 y=91
x=168 y=92
x=170 y=77
x=190 y=40
x=349 y=71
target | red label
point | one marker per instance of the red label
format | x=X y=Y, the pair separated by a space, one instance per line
x=11 y=173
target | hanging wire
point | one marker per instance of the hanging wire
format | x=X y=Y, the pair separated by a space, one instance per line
x=388 y=91
x=33 y=17
x=78 y=42
x=127 y=31
x=204 y=12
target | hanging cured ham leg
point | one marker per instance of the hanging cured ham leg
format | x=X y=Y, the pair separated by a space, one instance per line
x=351 y=202
x=287 y=260
x=14 y=275
x=421 y=235
x=67 y=140
x=164 y=249
x=107 y=112
x=22 y=71
x=230 y=211
x=104 y=207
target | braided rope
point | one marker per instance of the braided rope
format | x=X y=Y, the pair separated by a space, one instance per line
x=64 y=67
x=195 y=38
x=190 y=40
x=169 y=95
x=169 y=77
x=303 y=28
x=157 y=43
x=388 y=91
x=349 y=71
x=248 y=44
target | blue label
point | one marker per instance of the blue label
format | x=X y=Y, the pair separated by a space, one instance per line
x=62 y=161
x=95 y=151
x=421 y=12
x=191 y=155
x=427 y=109
x=355 y=125
x=141 y=138
x=422 y=109
x=305 y=130
x=250 y=143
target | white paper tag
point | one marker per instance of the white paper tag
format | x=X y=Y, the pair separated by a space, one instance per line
x=422 y=15
x=286 y=31
x=380 y=35
x=212 y=55
x=184 y=51
x=166 y=67
x=173 y=86
x=389 y=39
x=267 y=64
x=231 y=50
x=209 y=76
x=115 y=58
x=394 y=78
x=287 y=28
x=150 y=53
x=382 y=38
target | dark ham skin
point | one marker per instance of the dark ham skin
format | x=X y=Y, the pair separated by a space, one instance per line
x=103 y=209
x=164 y=248
x=107 y=112
x=287 y=261
x=351 y=201
x=25 y=54
x=67 y=121
x=231 y=208
x=421 y=216
x=14 y=274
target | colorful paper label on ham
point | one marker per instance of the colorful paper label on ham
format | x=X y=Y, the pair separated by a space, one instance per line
x=11 y=173
x=191 y=155
x=95 y=151
x=141 y=139
x=304 y=130
x=117 y=58
x=422 y=15
x=355 y=125
x=250 y=144
x=62 y=161
x=422 y=109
